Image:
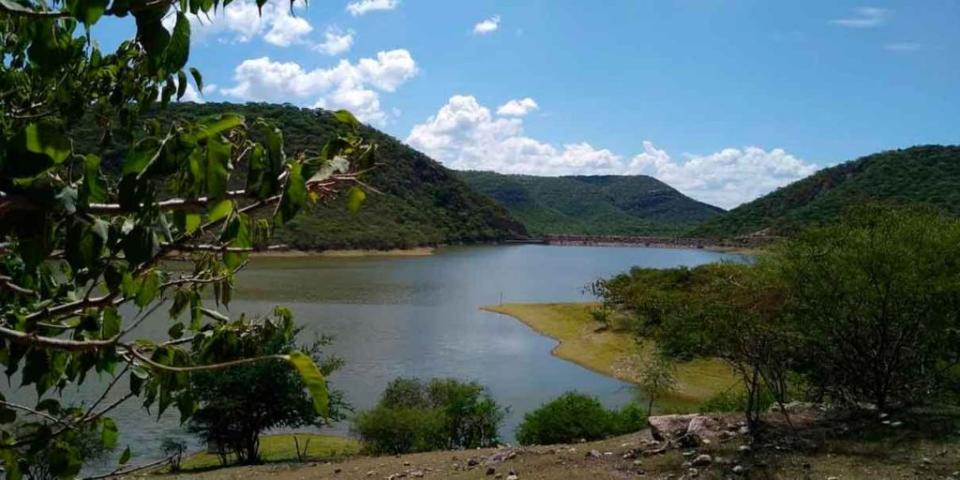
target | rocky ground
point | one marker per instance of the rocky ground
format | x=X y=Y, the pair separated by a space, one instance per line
x=678 y=447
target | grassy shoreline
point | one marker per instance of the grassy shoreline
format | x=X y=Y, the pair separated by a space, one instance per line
x=615 y=353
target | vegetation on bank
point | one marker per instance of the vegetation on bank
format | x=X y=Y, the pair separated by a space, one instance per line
x=283 y=448
x=859 y=315
x=919 y=176
x=413 y=200
x=617 y=353
x=575 y=417
x=592 y=205
x=417 y=416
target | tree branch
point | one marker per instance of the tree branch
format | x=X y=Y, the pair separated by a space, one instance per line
x=18 y=10
x=57 y=343
x=199 y=368
x=173 y=203
x=37 y=413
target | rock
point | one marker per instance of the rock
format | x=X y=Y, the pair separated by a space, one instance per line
x=512 y=477
x=702 y=460
x=666 y=427
x=371 y=473
x=491 y=471
x=693 y=472
x=336 y=470
x=896 y=424
x=417 y=474
x=738 y=469
x=593 y=454
x=406 y=464
x=473 y=462
x=744 y=448
x=637 y=463
x=704 y=427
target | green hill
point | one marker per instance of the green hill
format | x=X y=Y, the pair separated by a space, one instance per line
x=923 y=175
x=592 y=205
x=422 y=203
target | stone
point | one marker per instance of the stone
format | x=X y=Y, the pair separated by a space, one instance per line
x=666 y=427
x=473 y=462
x=702 y=460
x=593 y=454
x=491 y=471
x=417 y=474
x=738 y=469
x=637 y=463
x=693 y=472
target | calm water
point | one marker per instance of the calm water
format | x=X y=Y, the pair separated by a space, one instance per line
x=420 y=316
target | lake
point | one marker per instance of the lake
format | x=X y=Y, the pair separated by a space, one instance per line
x=420 y=316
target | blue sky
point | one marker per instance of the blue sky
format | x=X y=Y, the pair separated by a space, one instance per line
x=724 y=100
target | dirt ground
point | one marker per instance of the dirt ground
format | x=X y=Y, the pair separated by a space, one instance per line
x=849 y=451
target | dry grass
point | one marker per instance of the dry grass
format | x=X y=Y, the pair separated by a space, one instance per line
x=615 y=353
x=282 y=448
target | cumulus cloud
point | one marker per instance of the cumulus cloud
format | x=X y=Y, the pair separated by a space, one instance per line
x=346 y=85
x=242 y=21
x=726 y=178
x=863 y=17
x=489 y=25
x=361 y=7
x=518 y=107
x=335 y=42
x=465 y=135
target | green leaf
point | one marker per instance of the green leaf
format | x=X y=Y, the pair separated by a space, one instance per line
x=355 y=198
x=346 y=118
x=94 y=187
x=220 y=210
x=125 y=456
x=213 y=126
x=313 y=379
x=87 y=11
x=218 y=162
x=181 y=84
x=108 y=433
x=176 y=331
x=111 y=323
x=295 y=194
x=197 y=78
x=33 y=150
x=178 y=50
x=149 y=285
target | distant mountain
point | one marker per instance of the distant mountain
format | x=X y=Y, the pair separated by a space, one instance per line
x=923 y=175
x=592 y=205
x=422 y=203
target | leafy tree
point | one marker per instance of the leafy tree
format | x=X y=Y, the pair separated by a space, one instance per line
x=238 y=405
x=413 y=415
x=573 y=417
x=76 y=245
x=875 y=301
x=656 y=379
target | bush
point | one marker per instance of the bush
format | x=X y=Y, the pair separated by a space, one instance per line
x=573 y=417
x=735 y=401
x=414 y=416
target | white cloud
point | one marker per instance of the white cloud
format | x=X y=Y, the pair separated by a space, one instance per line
x=361 y=7
x=465 y=135
x=335 y=42
x=518 y=107
x=726 y=178
x=190 y=95
x=343 y=86
x=902 y=47
x=242 y=21
x=863 y=17
x=489 y=25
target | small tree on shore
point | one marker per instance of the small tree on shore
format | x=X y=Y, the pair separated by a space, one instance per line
x=238 y=405
x=656 y=379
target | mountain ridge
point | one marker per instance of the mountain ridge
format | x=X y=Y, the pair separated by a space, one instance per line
x=592 y=204
x=923 y=175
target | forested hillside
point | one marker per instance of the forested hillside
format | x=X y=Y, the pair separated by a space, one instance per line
x=593 y=205
x=923 y=175
x=422 y=203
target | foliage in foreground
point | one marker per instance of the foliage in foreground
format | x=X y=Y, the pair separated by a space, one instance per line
x=442 y=414
x=861 y=313
x=80 y=249
x=419 y=202
x=574 y=417
x=238 y=405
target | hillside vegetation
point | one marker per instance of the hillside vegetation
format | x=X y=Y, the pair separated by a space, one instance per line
x=422 y=203
x=923 y=175
x=592 y=205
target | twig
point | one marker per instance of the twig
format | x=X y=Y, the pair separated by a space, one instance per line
x=31 y=411
x=199 y=368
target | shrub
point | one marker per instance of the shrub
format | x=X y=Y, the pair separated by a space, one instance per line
x=573 y=417
x=415 y=416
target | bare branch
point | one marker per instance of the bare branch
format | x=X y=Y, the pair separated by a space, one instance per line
x=37 y=413
x=57 y=343
x=199 y=368
x=173 y=203
x=7 y=282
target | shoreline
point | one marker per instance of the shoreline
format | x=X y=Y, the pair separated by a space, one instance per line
x=612 y=353
x=359 y=252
